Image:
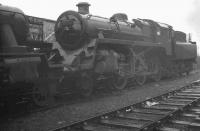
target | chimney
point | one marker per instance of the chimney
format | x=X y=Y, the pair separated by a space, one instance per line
x=83 y=8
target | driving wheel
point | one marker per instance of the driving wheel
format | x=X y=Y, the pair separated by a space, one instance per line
x=119 y=82
x=41 y=93
x=86 y=85
x=140 y=79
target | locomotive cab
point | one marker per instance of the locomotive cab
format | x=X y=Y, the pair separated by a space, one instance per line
x=163 y=34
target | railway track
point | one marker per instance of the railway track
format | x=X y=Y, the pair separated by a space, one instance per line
x=178 y=110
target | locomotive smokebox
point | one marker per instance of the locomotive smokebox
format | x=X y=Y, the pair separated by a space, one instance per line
x=70 y=30
x=83 y=8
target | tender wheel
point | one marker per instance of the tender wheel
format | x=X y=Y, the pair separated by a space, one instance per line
x=86 y=85
x=140 y=79
x=119 y=82
x=41 y=93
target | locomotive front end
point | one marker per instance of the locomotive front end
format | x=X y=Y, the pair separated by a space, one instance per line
x=70 y=30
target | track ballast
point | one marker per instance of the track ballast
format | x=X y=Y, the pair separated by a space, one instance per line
x=176 y=110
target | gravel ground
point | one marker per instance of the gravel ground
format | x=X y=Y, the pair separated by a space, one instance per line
x=67 y=114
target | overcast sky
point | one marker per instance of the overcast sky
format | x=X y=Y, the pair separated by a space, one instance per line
x=183 y=15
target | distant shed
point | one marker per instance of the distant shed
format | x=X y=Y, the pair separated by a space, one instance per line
x=41 y=29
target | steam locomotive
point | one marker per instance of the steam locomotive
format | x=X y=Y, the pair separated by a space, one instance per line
x=115 y=50
x=23 y=70
x=91 y=52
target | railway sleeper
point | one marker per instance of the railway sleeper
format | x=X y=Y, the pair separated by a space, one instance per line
x=175 y=102
x=169 y=129
x=179 y=100
x=184 y=97
x=142 y=116
x=124 y=123
x=164 y=107
x=191 y=91
x=188 y=94
x=151 y=111
x=99 y=127
x=183 y=123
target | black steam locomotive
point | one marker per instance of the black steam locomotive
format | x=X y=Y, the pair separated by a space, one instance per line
x=23 y=69
x=114 y=50
x=90 y=52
